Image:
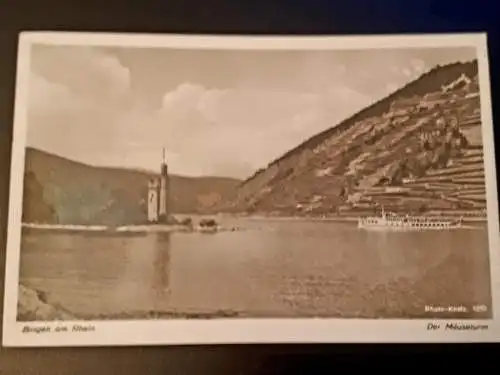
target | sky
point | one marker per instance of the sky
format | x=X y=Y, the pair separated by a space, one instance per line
x=217 y=112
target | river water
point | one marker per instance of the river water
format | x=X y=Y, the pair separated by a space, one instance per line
x=269 y=268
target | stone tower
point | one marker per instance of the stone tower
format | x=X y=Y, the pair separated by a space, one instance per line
x=158 y=190
x=153 y=188
x=163 y=208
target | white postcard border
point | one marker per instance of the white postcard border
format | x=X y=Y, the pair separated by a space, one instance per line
x=225 y=331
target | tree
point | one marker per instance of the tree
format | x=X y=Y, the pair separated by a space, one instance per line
x=35 y=207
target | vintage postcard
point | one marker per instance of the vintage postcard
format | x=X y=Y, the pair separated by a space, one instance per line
x=170 y=189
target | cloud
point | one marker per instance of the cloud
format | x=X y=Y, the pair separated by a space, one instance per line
x=87 y=71
x=390 y=87
x=235 y=131
x=78 y=97
x=207 y=131
x=418 y=66
x=47 y=96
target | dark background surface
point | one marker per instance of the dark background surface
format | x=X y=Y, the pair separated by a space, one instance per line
x=233 y=17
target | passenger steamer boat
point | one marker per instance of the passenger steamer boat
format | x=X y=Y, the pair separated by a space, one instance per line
x=394 y=222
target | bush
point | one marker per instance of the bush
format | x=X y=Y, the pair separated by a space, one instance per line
x=208 y=223
x=186 y=222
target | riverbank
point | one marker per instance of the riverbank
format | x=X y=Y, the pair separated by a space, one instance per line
x=125 y=229
x=32 y=305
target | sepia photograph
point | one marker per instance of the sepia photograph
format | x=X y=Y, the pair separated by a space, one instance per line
x=232 y=180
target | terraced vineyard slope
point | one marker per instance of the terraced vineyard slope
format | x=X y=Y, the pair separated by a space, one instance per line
x=417 y=151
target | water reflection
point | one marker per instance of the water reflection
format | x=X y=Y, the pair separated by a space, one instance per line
x=161 y=264
x=144 y=284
